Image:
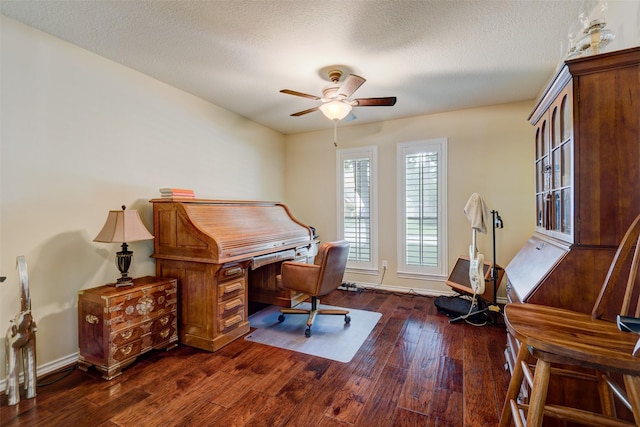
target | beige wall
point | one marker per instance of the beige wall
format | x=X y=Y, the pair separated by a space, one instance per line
x=82 y=135
x=489 y=152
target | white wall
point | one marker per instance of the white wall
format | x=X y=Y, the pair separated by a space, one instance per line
x=82 y=135
x=490 y=152
x=623 y=18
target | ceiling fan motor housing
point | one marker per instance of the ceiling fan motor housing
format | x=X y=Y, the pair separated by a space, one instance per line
x=330 y=91
x=334 y=75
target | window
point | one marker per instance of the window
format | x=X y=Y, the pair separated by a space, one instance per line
x=422 y=225
x=357 y=209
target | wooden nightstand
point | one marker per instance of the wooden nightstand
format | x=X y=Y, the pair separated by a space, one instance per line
x=116 y=325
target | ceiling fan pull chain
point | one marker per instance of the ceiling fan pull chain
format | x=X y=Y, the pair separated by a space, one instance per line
x=335 y=133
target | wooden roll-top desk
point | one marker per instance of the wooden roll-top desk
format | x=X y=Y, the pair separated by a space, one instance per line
x=223 y=254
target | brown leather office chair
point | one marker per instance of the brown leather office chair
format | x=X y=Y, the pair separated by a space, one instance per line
x=316 y=280
x=551 y=336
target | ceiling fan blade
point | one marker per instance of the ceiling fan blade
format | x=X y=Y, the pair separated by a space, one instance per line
x=300 y=113
x=375 y=102
x=350 y=85
x=304 y=95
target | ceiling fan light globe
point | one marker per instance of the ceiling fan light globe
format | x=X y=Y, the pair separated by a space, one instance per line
x=335 y=110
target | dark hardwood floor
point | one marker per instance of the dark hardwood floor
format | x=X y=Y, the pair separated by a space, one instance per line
x=415 y=369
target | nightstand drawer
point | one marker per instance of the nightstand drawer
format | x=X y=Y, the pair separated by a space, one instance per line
x=125 y=336
x=126 y=351
x=163 y=321
x=138 y=306
x=165 y=335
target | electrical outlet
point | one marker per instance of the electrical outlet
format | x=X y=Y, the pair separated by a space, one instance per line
x=385 y=264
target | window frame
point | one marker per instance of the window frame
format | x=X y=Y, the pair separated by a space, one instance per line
x=371 y=153
x=438 y=145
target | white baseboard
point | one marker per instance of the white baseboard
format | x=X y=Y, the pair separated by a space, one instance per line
x=405 y=290
x=401 y=289
x=47 y=368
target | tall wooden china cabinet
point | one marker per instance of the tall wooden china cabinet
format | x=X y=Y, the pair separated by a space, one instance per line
x=587 y=189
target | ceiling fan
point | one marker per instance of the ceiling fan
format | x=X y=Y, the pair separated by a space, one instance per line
x=336 y=104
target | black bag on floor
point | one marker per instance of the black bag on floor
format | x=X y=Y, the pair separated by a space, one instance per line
x=457 y=306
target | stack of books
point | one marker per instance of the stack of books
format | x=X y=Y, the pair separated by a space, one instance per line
x=177 y=193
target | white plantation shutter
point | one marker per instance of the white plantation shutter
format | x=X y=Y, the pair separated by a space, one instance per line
x=357 y=208
x=421 y=237
x=421 y=208
x=356 y=205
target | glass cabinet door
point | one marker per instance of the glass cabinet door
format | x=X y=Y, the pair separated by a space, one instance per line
x=554 y=168
x=541 y=167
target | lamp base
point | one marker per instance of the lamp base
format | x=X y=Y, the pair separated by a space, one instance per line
x=123 y=262
x=124 y=281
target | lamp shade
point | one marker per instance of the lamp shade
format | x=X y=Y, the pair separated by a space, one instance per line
x=123 y=226
x=335 y=110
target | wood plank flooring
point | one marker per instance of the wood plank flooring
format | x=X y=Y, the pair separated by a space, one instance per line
x=415 y=369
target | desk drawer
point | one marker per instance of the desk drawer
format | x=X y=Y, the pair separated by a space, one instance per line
x=231 y=305
x=232 y=321
x=229 y=272
x=232 y=288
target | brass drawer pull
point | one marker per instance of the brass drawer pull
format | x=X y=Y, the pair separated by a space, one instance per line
x=234 y=303
x=232 y=321
x=233 y=271
x=165 y=333
x=126 y=350
x=164 y=320
x=90 y=318
x=126 y=335
x=236 y=286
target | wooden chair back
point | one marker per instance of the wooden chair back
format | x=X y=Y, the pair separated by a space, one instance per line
x=620 y=293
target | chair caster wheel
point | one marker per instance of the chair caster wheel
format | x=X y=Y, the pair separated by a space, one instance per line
x=347 y=319
x=307 y=332
x=281 y=318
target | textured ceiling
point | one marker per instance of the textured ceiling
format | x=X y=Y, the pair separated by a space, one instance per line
x=434 y=56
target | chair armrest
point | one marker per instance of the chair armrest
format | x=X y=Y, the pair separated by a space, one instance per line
x=300 y=277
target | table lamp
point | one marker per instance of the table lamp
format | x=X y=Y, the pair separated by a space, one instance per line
x=121 y=227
